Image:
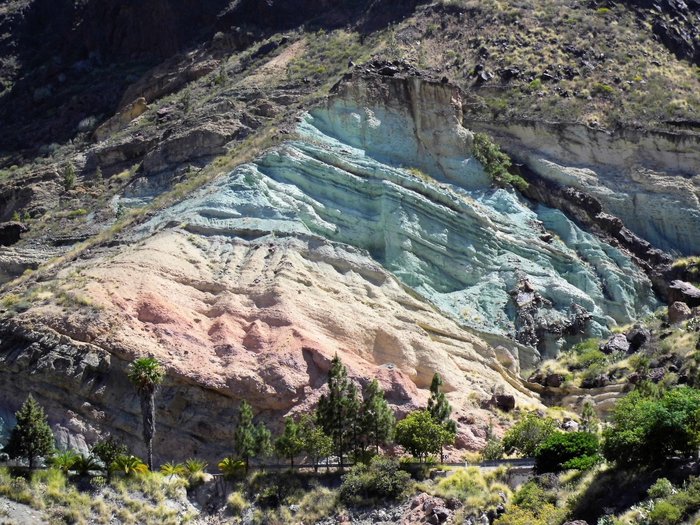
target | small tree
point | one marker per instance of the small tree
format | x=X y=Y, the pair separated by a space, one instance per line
x=421 y=435
x=338 y=410
x=568 y=450
x=317 y=444
x=290 y=443
x=244 y=441
x=69 y=177
x=107 y=451
x=527 y=434
x=147 y=374
x=440 y=408
x=377 y=418
x=31 y=438
x=263 y=441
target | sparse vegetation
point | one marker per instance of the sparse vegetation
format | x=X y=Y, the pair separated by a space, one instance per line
x=496 y=163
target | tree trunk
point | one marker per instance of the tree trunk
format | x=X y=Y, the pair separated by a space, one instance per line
x=148 y=410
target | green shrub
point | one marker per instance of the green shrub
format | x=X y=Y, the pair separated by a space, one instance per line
x=173 y=469
x=236 y=503
x=381 y=479
x=665 y=513
x=231 y=467
x=646 y=430
x=69 y=177
x=535 y=85
x=527 y=434
x=129 y=465
x=660 y=489
x=568 y=450
x=495 y=162
x=493 y=450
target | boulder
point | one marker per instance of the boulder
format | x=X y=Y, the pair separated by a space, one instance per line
x=554 y=380
x=616 y=344
x=684 y=292
x=678 y=312
x=505 y=402
x=637 y=337
x=570 y=426
x=576 y=522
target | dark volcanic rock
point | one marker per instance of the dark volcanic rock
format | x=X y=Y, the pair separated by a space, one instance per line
x=503 y=401
x=637 y=337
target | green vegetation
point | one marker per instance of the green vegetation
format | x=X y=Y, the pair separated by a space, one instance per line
x=107 y=451
x=496 y=163
x=528 y=434
x=69 y=177
x=646 y=431
x=147 y=374
x=382 y=478
x=377 y=419
x=290 y=444
x=532 y=505
x=338 y=410
x=421 y=435
x=567 y=450
x=440 y=409
x=31 y=438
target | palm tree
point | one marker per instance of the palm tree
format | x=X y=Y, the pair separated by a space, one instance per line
x=146 y=374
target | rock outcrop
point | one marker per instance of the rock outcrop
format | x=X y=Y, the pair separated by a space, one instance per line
x=650 y=181
x=374 y=234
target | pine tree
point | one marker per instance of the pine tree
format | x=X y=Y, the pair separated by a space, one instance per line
x=244 y=437
x=147 y=374
x=31 y=438
x=316 y=443
x=337 y=411
x=377 y=418
x=440 y=409
x=263 y=441
x=290 y=443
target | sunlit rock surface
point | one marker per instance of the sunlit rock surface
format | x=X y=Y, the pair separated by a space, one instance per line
x=650 y=180
x=350 y=177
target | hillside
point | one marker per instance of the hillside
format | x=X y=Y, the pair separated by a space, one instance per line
x=244 y=190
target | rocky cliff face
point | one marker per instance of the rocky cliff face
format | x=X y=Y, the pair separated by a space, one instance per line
x=651 y=181
x=373 y=233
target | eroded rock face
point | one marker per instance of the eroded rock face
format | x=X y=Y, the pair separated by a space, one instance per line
x=375 y=235
x=234 y=319
x=651 y=181
x=437 y=226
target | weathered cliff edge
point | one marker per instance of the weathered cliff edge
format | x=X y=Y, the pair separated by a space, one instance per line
x=650 y=180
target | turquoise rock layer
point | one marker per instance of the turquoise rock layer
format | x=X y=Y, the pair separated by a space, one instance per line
x=460 y=244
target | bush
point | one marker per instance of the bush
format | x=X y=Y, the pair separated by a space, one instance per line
x=665 y=513
x=236 y=503
x=381 y=479
x=495 y=162
x=129 y=465
x=231 y=467
x=527 y=434
x=568 y=450
x=646 y=431
x=660 y=489
x=493 y=450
